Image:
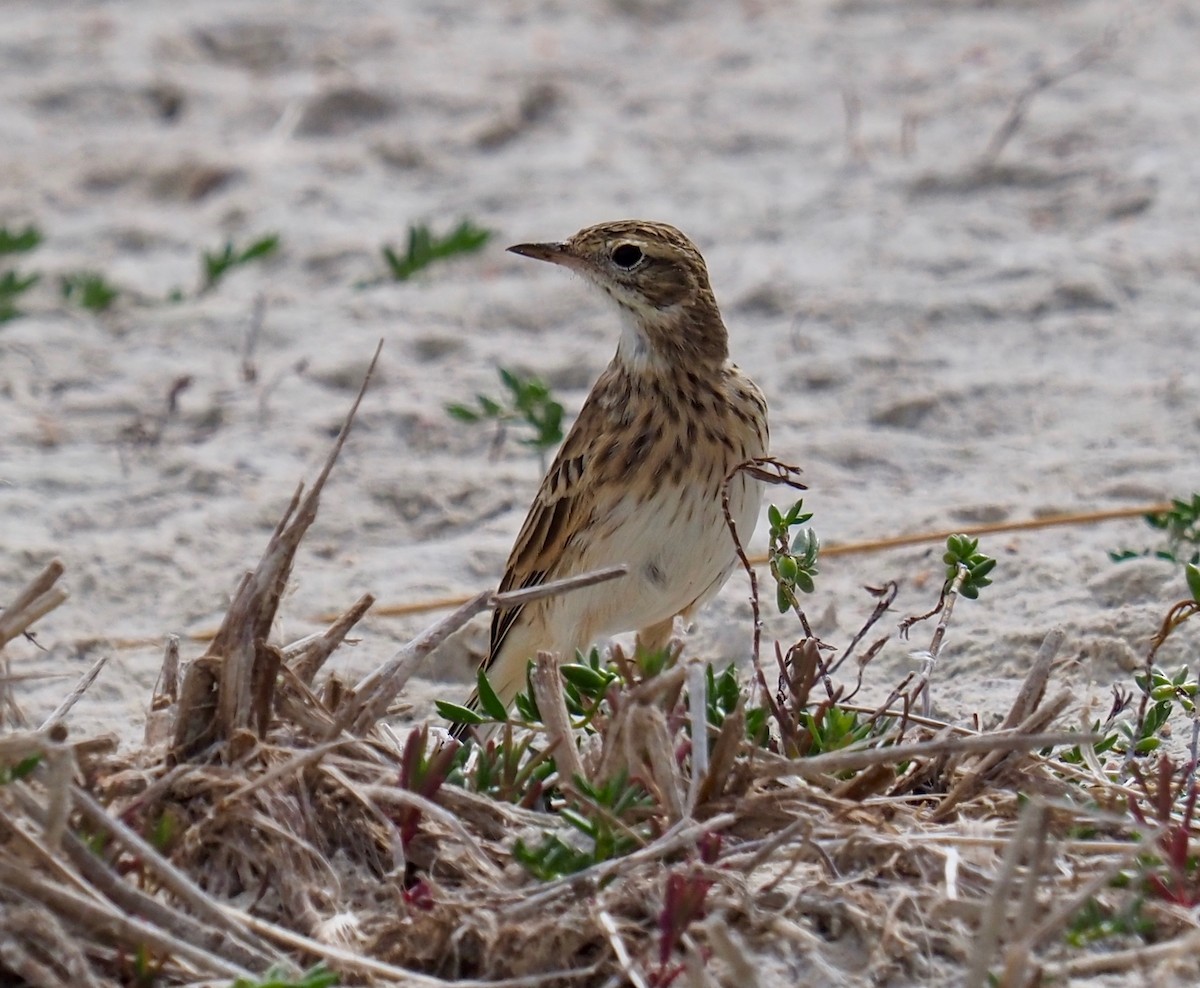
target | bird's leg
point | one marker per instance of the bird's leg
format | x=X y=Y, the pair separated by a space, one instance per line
x=655 y=637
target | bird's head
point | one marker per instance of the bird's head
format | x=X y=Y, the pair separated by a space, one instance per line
x=658 y=279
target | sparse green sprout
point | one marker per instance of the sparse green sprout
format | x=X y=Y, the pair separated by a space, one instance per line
x=14 y=773
x=963 y=551
x=88 y=290
x=12 y=287
x=19 y=242
x=1095 y=922
x=723 y=693
x=1192 y=572
x=1181 y=525
x=424 y=248
x=607 y=815
x=217 y=264
x=832 y=728
x=278 y=977
x=528 y=401
x=793 y=559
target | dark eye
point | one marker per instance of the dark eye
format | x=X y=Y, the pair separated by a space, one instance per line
x=626 y=256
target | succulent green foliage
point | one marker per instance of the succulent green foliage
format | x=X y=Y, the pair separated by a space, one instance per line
x=608 y=819
x=723 y=695
x=964 y=551
x=1180 y=526
x=793 y=557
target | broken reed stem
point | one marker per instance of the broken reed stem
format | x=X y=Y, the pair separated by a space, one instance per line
x=697 y=687
x=551 y=701
x=995 y=911
x=848 y=759
x=72 y=698
x=923 y=689
x=375 y=692
x=109 y=923
x=39 y=597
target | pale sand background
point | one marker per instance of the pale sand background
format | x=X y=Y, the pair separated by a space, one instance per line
x=937 y=351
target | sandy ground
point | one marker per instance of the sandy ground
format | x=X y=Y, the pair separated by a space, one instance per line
x=939 y=348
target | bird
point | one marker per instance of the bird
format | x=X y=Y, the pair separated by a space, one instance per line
x=639 y=478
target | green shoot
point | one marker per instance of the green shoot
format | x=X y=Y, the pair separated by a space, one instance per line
x=14 y=773
x=528 y=401
x=12 y=287
x=1095 y=922
x=1181 y=528
x=277 y=977
x=605 y=814
x=19 y=242
x=216 y=264
x=963 y=551
x=793 y=565
x=424 y=248
x=88 y=290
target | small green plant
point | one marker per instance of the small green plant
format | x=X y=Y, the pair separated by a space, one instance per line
x=423 y=772
x=1095 y=922
x=606 y=815
x=278 y=977
x=424 y=248
x=13 y=284
x=507 y=768
x=723 y=694
x=1181 y=527
x=528 y=401
x=88 y=290
x=964 y=551
x=19 y=241
x=215 y=265
x=23 y=768
x=793 y=559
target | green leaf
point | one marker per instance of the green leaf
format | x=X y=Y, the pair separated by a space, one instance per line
x=462 y=413
x=260 y=248
x=89 y=290
x=782 y=600
x=14 y=242
x=1192 y=572
x=586 y=678
x=457 y=714
x=491 y=703
x=425 y=249
x=788 y=568
x=20 y=770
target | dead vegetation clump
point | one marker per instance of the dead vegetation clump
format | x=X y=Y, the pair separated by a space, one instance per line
x=643 y=820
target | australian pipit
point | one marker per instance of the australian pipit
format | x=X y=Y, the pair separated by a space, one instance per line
x=639 y=478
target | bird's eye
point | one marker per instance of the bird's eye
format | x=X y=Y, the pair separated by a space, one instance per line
x=627 y=256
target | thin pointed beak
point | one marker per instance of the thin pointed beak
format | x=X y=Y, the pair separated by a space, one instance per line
x=554 y=253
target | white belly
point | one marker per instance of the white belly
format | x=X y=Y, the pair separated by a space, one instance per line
x=678 y=550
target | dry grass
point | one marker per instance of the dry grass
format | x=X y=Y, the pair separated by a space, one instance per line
x=273 y=819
